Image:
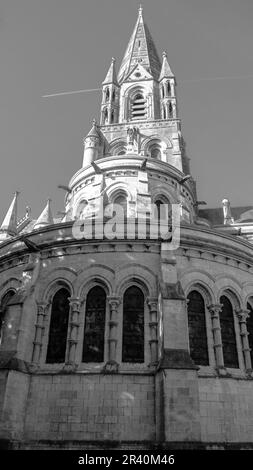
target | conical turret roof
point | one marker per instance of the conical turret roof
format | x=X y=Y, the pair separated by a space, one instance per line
x=166 y=71
x=94 y=130
x=46 y=216
x=9 y=225
x=111 y=76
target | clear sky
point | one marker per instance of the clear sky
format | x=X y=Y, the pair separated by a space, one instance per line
x=49 y=46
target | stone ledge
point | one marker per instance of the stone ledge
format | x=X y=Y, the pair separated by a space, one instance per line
x=176 y=359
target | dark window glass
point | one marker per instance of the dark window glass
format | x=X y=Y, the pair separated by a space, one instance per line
x=228 y=333
x=250 y=330
x=122 y=201
x=133 y=325
x=168 y=88
x=155 y=152
x=94 y=329
x=197 y=328
x=3 y=309
x=170 y=110
x=107 y=94
x=58 y=329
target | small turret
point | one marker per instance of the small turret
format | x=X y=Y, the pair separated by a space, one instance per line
x=110 y=97
x=46 y=217
x=167 y=90
x=9 y=226
x=91 y=145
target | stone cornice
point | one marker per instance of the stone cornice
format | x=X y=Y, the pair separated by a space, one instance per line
x=57 y=240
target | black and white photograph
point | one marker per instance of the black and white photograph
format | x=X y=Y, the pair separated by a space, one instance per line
x=126 y=231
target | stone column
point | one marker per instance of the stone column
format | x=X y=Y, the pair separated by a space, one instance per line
x=242 y=316
x=112 y=329
x=39 y=331
x=215 y=310
x=74 y=323
x=153 y=324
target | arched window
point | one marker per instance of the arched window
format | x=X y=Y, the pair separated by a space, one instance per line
x=105 y=115
x=57 y=340
x=4 y=302
x=168 y=88
x=133 y=325
x=113 y=96
x=170 y=110
x=250 y=329
x=163 y=209
x=197 y=328
x=138 y=108
x=155 y=152
x=164 y=112
x=112 y=116
x=94 y=328
x=162 y=91
x=121 y=200
x=107 y=94
x=230 y=355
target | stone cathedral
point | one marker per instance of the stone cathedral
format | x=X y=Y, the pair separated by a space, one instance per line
x=110 y=338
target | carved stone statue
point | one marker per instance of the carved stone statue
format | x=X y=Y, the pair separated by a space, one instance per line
x=227 y=215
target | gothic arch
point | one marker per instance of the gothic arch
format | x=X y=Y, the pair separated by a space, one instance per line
x=95 y=274
x=118 y=187
x=148 y=141
x=230 y=285
x=117 y=146
x=203 y=289
x=203 y=280
x=232 y=296
x=247 y=293
x=52 y=287
x=161 y=191
x=10 y=284
x=141 y=275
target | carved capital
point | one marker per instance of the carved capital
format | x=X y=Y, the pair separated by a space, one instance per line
x=114 y=302
x=41 y=308
x=242 y=314
x=75 y=303
x=215 y=309
x=152 y=303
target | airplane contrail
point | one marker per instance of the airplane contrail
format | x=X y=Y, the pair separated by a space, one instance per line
x=239 y=77
x=71 y=92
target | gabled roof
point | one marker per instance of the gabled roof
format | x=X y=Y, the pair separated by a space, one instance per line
x=141 y=48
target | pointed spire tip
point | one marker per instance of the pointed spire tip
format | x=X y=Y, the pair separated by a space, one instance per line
x=140 y=10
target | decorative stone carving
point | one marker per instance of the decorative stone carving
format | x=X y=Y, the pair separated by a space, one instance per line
x=153 y=325
x=215 y=310
x=75 y=305
x=39 y=331
x=242 y=317
x=112 y=330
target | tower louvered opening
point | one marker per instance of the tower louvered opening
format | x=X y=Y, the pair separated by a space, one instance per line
x=138 y=108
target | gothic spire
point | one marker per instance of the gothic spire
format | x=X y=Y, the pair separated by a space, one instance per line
x=46 y=216
x=9 y=225
x=140 y=49
x=165 y=70
x=111 y=76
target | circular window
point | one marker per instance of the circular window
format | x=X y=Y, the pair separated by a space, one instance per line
x=137 y=74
